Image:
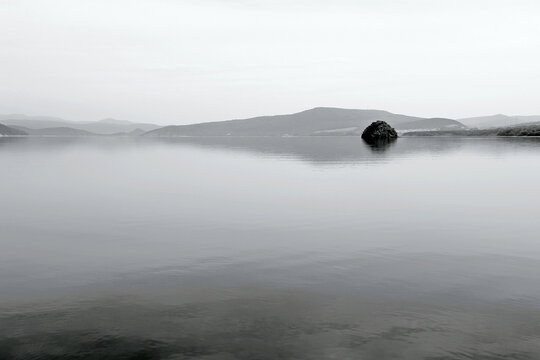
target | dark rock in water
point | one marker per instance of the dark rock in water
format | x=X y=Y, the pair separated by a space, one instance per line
x=379 y=132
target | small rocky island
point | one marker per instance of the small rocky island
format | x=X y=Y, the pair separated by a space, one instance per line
x=379 y=132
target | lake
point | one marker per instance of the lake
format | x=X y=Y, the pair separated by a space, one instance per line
x=269 y=248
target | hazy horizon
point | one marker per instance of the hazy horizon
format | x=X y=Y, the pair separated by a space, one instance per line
x=180 y=62
x=242 y=118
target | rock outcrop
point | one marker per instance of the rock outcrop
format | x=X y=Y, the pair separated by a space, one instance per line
x=379 y=132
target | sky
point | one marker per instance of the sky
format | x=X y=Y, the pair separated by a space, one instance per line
x=189 y=61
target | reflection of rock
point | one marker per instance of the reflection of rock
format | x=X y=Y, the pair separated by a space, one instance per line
x=379 y=132
x=380 y=145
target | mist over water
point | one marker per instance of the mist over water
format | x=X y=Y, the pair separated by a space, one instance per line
x=269 y=248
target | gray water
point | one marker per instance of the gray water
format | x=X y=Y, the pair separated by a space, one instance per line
x=269 y=248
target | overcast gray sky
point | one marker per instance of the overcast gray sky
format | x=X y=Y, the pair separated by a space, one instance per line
x=188 y=61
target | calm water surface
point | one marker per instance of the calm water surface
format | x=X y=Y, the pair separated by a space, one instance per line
x=269 y=248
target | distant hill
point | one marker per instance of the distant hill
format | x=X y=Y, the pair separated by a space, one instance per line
x=136 y=132
x=529 y=118
x=317 y=121
x=431 y=124
x=38 y=122
x=499 y=120
x=104 y=127
x=9 y=131
x=470 y=132
x=526 y=130
x=4 y=117
x=111 y=126
x=515 y=130
x=54 y=131
x=320 y=121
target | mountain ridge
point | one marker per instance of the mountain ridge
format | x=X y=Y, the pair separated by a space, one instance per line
x=303 y=123
x=318 y=121
x=101 y=127
x=55 y=131
x=498 y=120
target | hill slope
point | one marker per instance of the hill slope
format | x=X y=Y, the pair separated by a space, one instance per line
x=104 y=127
x=54 y=131
x=316 y=121
x=499 y=120
x=514 y=130
x=431 y=124
x=9 y=131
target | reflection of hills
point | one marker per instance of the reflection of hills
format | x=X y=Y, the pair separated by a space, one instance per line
x=351 y=150
x=316 y=150
x=321 y=149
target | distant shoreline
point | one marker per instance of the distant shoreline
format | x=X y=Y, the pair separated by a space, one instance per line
x=434 y=134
